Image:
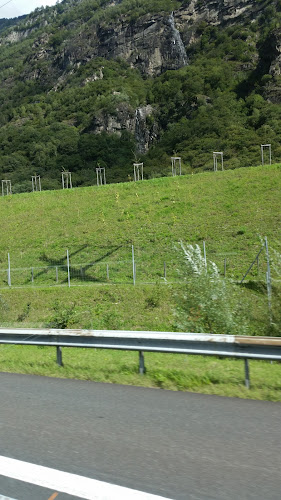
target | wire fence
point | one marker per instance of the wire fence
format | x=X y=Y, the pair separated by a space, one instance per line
x=136 y=267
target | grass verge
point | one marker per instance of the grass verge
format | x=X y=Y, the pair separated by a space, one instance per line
x=223 y=377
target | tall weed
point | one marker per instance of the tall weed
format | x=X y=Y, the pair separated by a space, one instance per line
x=209 y=303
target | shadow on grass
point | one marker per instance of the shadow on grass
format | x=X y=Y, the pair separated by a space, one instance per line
x=75 y=273
x=256 y=286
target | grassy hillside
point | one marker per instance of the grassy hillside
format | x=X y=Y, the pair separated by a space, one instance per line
x=231 y=211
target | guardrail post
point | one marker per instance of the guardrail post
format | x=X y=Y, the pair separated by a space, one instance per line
x=59 y=356
x=141 y=363
x=247 y=373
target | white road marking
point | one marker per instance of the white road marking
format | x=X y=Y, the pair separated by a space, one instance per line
x=5 y=498
x=79 y=486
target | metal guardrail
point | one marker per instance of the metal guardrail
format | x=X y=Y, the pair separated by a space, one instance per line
x=266 y=348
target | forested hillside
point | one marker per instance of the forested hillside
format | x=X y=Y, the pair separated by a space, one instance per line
x=94 y=82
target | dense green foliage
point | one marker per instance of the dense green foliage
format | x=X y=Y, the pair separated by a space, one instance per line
x=50 y=108
x=6 y=23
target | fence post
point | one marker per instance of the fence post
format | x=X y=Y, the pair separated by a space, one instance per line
x=224 y=267
x=205 y=257
x=133 y=262
x=68 y=267
x=107 y=272
x=57 y=274
x=268 y=280
x=32 y=275
x=9 y=270
x=165 y=274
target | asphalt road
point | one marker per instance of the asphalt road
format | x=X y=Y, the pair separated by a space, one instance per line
x=182 y=446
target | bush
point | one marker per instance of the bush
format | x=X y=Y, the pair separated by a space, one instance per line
x=209 y=303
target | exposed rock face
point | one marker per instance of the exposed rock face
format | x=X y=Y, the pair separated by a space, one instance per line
x=145 y=130
x=213 y=12
x=272 y=63
x=15 y=36
x=123 y=119
x=152 y=44
x=139 y=122
x=275 y=53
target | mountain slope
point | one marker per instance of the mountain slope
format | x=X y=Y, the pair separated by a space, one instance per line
x=96 y=82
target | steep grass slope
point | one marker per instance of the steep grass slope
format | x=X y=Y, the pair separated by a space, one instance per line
x=229 y=210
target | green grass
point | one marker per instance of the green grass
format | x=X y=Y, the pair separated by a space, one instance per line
x=102 y=307
x=223 y=377
x=229 y=210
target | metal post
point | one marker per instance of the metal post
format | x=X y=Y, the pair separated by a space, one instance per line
x=224 y=267
x=32 y=275
x=107 y=271
x=268 y=279
x=262 y=162
x=59 y=356
x=133 y=262
x=258 y=265
x=249 y=269
x=205 y=257
x=142 y=369
x=9 y=270
x=247 y=373
x=68 y=268
x=57 y=274
x=165 y=274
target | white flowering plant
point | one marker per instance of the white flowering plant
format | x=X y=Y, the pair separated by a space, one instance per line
x=208 y=303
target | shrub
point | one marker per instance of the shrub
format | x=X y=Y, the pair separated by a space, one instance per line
x=208 y=303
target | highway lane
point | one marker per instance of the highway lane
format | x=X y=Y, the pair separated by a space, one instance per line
x=177 y=445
